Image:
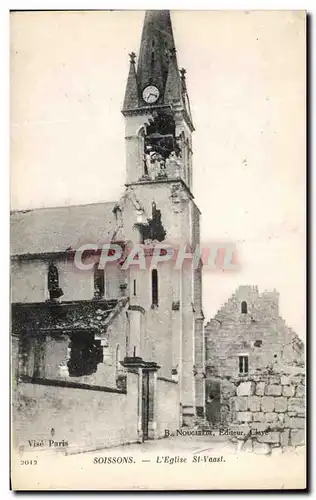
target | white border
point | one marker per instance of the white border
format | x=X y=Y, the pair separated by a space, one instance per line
x=5 y=6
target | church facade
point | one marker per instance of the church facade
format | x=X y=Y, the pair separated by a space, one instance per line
x=112 y=354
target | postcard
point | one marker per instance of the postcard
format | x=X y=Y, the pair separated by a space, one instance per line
x=158 y=175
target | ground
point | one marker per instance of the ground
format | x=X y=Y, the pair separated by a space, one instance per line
x=174 y=444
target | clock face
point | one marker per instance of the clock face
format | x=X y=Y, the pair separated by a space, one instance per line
x=150 y=94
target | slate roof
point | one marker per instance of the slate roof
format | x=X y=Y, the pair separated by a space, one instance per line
x=57 y=229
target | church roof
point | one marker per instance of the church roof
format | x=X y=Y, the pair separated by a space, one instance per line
x=59 y=229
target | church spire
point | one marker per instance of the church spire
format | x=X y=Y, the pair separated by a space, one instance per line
x=156 y=82
x=156 y=43
x=131 y=92
x=173 y=88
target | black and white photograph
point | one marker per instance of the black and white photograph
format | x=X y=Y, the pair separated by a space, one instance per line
x=158 y=249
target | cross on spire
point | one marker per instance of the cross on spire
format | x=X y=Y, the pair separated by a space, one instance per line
x=132 y=56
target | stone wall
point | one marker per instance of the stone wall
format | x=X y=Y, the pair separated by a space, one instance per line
x=268 y=411
x=167 y=406
x=85 y=419
x=261 y=334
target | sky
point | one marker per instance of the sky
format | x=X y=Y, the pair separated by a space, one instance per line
x=246 y=82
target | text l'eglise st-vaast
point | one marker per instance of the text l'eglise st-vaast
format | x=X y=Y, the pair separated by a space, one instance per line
x=160 y=459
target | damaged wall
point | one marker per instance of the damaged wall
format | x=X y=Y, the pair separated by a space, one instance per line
x=72 y=343
x=37 y=409
x=260 y=333
x=163 y=134
x=51 y=400
x=29 y=280
x=175 y=205
x=268 y=411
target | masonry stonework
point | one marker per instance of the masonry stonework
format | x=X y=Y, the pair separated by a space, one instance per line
x=263 y=423
x=245 y=338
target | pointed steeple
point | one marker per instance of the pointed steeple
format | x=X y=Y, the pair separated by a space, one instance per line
x=185 y=95
x=173 y=89
x=131 y=92
x=156 y=108
x=157 y=81
x=154 y=56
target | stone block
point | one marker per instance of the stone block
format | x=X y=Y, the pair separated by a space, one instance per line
x=258 y=427
x=244 y=416
x=259 y=417
x=288 y=391
x=294 y=422
x=270 y=437
x=271 y=417
x=267 y=404
x=273 y=390
x=281 y=418
x=284 y=437
x=300 y=391
x=275 y=445
x=239 y=431
x=254 y=403
x=280 y=404
x=246 y=389
x=285 y=380
x=296 y=379
x=297 y=437
x=240 y=403
x=274 y=380
x=297 y=406
x=261 y=448
x=260 y=388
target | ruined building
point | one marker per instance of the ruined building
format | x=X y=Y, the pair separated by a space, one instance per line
x=102 y=357
x=246 y=338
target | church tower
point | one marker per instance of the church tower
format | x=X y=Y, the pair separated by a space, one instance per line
x=156 y=92
x=165 y=314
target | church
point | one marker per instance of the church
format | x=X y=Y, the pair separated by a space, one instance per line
x=115 y=354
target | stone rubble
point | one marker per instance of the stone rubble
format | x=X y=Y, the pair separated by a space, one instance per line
x=269 y=410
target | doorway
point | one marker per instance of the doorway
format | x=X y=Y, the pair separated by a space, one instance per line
x=213 y=402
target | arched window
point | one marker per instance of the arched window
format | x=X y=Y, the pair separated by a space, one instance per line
x=98 y=282
x=53 y=283
x=154 y=287
x=244 y=307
